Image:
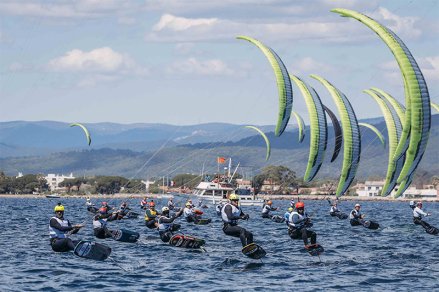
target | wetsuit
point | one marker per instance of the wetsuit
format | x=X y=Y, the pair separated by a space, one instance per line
x=266 y=211
x=150 y=216
x=166 y=225
x=417 y=218
x=230 y=215
x=297 y=227
x=59 y=232
x=143 y=204
x=190 y=215
x=334 y=211
x=171 y=205
x=100 y=229
x=355 y=218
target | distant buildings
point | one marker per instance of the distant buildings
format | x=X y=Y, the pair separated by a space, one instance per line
x=53 y=180
x=373 y=189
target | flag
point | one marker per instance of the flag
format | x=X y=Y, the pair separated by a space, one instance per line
x=221 y=160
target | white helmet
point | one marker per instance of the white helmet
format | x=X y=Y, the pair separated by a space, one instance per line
x=165 y=209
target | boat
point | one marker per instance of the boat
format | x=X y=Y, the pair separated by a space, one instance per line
x=218 y=190
x=53 y=196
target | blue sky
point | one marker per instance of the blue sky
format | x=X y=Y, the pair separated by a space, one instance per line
x=178 y=62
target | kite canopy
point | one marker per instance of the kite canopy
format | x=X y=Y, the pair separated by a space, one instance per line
x=376 y=131
x=351 y=136
x=87 y=134
x=267 y=142
x=416 y=127
x=318 y=128
x=337 y=133
x=283 y=84
x=301 y=125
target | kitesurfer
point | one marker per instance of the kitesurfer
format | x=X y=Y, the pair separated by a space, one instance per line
x=292 y=203
x=334 y=211
x=267 y=209
x=412 y=205
x=287 y=214
x=190 y=214
x=90 y=206
x=230 y=214
x=171 y=205
x=218 y=208
x=100 y=229
x=418 y=214
x=355 y=217
x=166 y=225
x=60 y=229
x=144 y=203
x=298 y=224
x=150 y=216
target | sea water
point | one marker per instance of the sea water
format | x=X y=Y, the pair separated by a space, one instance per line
x=398 y=256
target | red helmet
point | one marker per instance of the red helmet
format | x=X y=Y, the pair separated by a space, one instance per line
x=104 y=203
x=300 y=205
x=269 y=203
x=151 y=204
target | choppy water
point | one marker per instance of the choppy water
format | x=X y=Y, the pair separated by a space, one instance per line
x=398 y=256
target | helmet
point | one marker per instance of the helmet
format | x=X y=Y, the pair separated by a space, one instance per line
x=357 y=205
x=59 y=208
x=165 y=209
x=151 y=204
x=290 y=209
x=188 y=204
x=300 y=205
x=233 y=197
x=269 y=203
x=104 y=204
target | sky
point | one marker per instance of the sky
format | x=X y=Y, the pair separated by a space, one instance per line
x=179 y=62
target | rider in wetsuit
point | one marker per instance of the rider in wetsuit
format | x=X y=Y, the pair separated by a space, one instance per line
x=230 y=214
x=287 y=214
x=100 y=229
x=334 y=211
x=189 y=213
x=298 y=223
x=355 y=217
x=144 y=203
x=267 y=209
x=150 y=215
x=418 y=214
x=171 y=205
x=59 y=231
x=166 y=225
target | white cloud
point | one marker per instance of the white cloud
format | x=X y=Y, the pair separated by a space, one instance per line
x=180 y=29
x=93 y=79
x=197 y=67
x=310 y=65
x=97 y=60
x=430 y=67
x=404 y=26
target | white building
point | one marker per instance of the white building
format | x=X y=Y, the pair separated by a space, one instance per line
x=427 y=192
x=370 y=188
x=53 y=180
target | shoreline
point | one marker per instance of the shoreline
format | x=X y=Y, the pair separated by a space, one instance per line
x=265 y=197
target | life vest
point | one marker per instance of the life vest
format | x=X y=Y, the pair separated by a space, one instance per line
x=266 y=209
x=333 y=209
x=150 y=215
x=188 y=212
x=236 y=212
x=56 y=233
x=99 y=223
x=418 y=213
x=287 y=216
x=143 y=203
x=163 y=226
x=357 y=214
x=301 y=219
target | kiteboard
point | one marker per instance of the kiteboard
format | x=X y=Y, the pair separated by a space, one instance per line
x=432 y=230
x=278 y=219
x=371 y=224
x=125 y=235
x=180 y=240
x=92 y=250
x=203 y=221
x=342 y=216
x=254 y=251
x=315 y=249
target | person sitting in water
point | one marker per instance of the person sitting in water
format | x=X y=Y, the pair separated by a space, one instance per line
x=218 y=208
x=190 y=214
x=334 y=211
x=60 y=229
x=267 y=209
x=230 y=214
x=298 y=224
x=418 y=214
x=144 y=203
x=292 y=204
x=123 y=210
x=150 y=216
x=166 y=225
x=171 y=204
x=100 y=229
x=355 y=217
x=90 y=206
